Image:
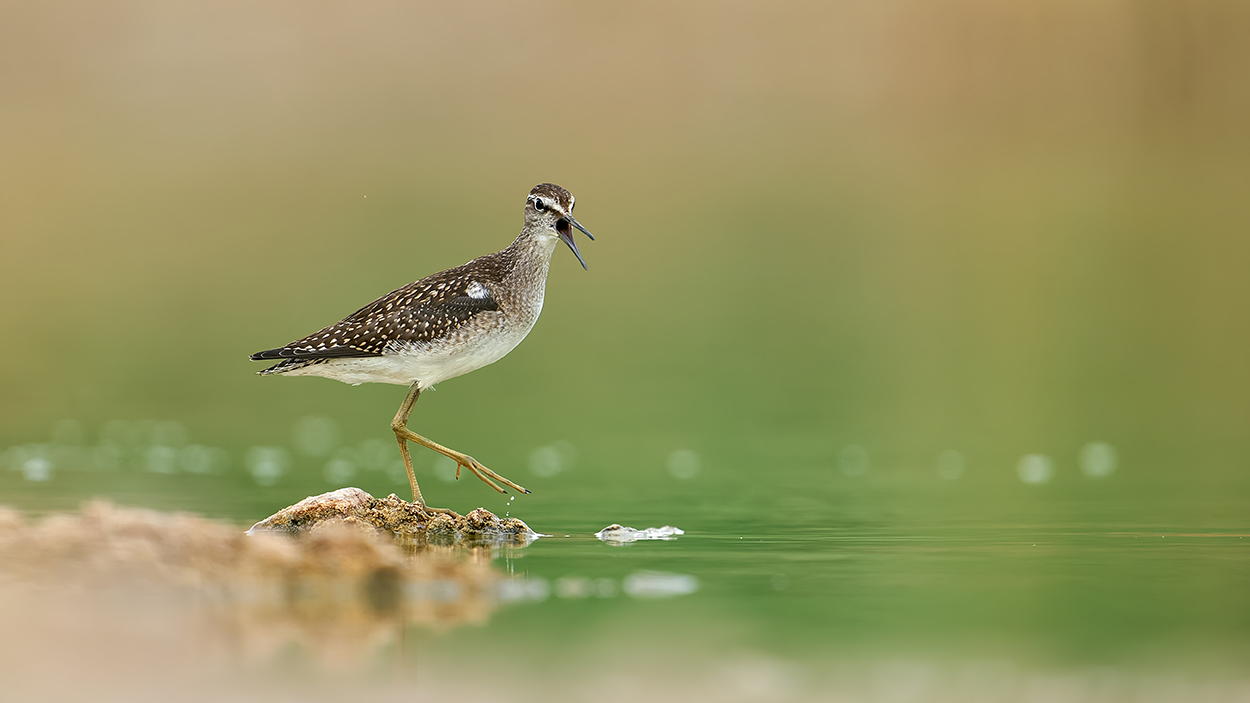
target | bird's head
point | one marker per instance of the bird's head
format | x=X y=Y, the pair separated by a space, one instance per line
x=549 y=209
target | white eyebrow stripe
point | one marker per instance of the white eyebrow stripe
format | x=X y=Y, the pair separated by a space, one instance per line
x=551 y=204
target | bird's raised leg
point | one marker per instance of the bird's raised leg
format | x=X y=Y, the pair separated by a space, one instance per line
x=400 y=426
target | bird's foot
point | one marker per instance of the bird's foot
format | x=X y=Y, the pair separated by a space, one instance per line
x=429 y=509
x=485 y=474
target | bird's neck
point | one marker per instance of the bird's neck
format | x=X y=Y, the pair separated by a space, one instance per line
x=529 y=256
x=525 y=264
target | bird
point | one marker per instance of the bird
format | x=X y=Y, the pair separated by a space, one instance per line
x=443 y=326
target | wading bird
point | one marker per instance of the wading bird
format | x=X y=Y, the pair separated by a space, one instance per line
x=442 y=326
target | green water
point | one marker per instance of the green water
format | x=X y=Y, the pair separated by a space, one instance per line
x=813 y=580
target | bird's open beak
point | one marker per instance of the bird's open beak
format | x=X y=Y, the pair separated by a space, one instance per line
x=566 y=233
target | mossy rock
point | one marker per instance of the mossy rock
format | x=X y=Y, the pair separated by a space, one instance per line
x=393 y=516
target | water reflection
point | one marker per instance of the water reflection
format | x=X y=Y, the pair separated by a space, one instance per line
x=580 y=587
x=160 y=447
x=111 y=578
x=657 y=584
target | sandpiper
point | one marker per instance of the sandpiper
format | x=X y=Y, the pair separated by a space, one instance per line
x=442 y=326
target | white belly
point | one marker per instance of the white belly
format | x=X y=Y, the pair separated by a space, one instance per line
x=472 y=347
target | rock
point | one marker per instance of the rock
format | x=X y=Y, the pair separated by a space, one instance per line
x=481 y=520
x=392 y=516
x=442 y=525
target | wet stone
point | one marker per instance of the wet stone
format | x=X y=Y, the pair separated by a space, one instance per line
x=443 y=525
x=392 y=516
x=481 y=520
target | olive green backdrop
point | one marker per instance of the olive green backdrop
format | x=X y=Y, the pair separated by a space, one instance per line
x=908 y=266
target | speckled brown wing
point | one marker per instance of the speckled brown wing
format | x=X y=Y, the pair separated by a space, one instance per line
x=423 y=311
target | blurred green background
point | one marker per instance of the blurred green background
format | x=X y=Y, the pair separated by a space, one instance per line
x=904 y=266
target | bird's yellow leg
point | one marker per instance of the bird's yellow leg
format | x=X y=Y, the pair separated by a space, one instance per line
x=404 y=435
x=398 y=425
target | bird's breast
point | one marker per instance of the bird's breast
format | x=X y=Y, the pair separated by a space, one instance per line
x=483 y=341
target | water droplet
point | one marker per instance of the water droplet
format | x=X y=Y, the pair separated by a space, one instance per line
x=1035 y=468
x=950 y=464
x=316 y=436
x=162 y=459
x=340 y=469
x=267 y=464
x=553 y=458
x=1098 y=459
x=853 y=460
x=684 y=463
x=37 y=468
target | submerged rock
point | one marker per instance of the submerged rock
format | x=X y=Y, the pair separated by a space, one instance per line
x=392 y=516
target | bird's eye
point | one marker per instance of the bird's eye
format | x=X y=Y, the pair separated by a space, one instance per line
x=539 y=205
